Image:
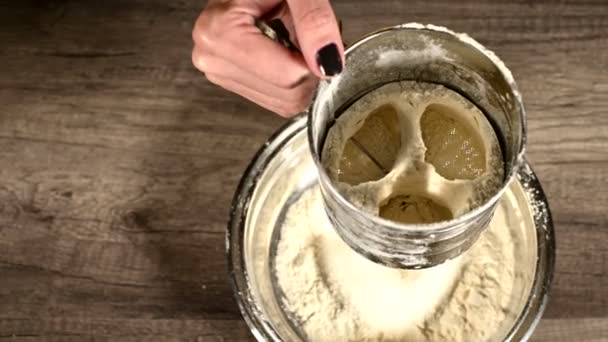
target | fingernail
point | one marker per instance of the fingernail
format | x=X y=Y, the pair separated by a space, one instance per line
x=329 y=61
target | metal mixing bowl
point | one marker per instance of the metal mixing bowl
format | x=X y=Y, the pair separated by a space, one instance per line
x=283 y=169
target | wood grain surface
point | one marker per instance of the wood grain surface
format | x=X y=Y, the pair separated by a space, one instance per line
x=118 y=161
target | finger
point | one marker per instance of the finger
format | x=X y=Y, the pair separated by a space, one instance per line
x=281 y=12
x=300 y=94
x=257 y=8
x=318 y=34
x=279 y=106
x=295 y=100
x=226 y=69
x=240 y=42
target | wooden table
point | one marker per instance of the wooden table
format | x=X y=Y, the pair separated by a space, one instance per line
x=118 y=161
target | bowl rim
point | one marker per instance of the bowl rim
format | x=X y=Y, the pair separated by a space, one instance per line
x=260 y=326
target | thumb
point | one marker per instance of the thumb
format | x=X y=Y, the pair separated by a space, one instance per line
x=318 y=36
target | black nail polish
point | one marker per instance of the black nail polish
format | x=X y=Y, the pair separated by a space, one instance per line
x=329 y=61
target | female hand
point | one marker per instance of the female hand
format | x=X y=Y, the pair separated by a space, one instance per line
x=234 y=54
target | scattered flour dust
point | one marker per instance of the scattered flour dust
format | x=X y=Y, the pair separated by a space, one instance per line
x=337 y=295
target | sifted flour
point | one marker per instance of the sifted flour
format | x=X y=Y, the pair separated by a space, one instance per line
x=336 y=295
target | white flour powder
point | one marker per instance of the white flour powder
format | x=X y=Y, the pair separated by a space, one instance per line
x=337 y=295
